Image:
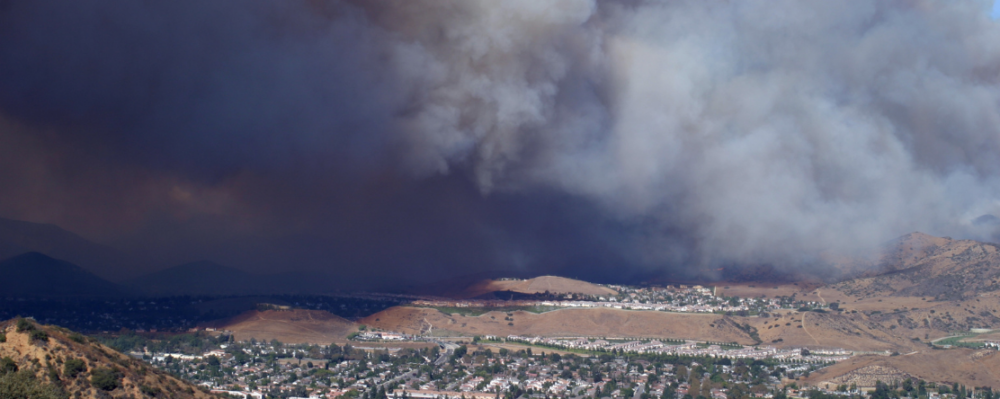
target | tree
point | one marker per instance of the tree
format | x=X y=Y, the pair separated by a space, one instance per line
x=668 y=392
x=881 y=391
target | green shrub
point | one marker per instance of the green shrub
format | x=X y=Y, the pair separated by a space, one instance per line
x=73 y=367
x=39 y=335
x=149 y=391
x=105 y=379
x=52 y=373
x=24 y=385
x=3 y=337
x=24 y=325
x=7 y=366
x=78 y=338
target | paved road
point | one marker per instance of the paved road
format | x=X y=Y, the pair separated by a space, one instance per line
x=639 y=389
x=448 y=347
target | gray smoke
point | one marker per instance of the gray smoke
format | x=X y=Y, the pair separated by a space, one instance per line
x=765 y=131
x=704 y=133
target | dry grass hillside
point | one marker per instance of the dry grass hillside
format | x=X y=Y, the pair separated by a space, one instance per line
x=52 y=358
x=289 y=326
x=974 y=368
x=918 y=265
x=565 y=322
x=538 y=285
x=787 y=329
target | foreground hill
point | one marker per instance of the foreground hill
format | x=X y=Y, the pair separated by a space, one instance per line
x=18 y=237
x=537 y=285
x=37 y=275
x=84 y=368
x=290 y=326
x=210 y=278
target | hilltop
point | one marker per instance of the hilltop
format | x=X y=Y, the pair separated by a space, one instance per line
x=537 y=285
x=83 y=368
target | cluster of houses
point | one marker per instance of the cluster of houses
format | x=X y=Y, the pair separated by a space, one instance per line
x=682 y=299
x=383 y=336
x=687 y=348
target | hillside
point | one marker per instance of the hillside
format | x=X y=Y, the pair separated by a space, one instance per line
x=918 y=265
x=18 y=237
x=289 y=326
x=537 y=285
x=565 y=322
x=964 y=366
x=52 y=359
x=37 y=275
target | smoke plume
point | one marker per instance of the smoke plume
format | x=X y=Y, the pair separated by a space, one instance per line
x=595 y=138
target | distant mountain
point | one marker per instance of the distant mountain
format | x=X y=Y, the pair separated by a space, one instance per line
x=38 y=275
x=210 y=278
x=18 y=237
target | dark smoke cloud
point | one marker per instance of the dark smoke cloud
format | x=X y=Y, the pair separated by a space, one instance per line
x=426 y=138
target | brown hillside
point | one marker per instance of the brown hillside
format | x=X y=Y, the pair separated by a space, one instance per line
x=538 y=285
x=565 y=322
x=290 y=326
x=47 y=358
x=852 y=331
x=964 y=366
x=918 y=265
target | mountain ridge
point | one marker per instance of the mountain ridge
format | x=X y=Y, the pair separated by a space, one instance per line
x=34 y=274
x=18 y=237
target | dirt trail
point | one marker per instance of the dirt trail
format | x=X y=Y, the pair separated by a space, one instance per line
x=430 y=327
x=806 y=329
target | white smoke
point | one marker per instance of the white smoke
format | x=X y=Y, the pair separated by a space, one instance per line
x=764 y=131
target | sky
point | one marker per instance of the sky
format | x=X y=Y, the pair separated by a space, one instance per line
x=415 y=141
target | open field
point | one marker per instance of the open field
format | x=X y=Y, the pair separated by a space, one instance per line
x=289 y=326
x=534 y=349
